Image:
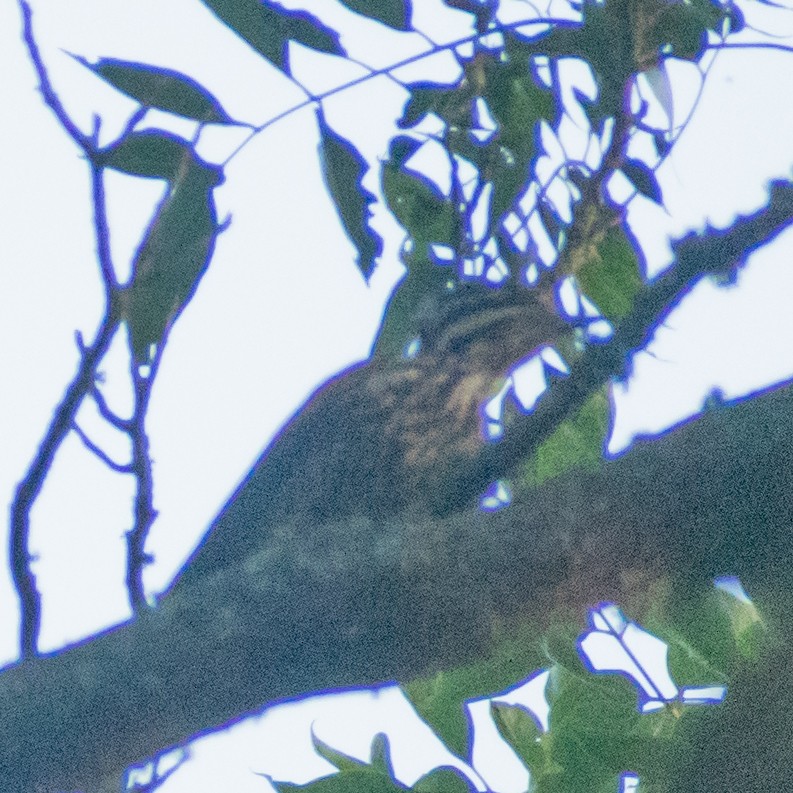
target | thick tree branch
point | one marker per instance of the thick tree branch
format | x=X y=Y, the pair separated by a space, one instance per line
x=307 y=601
x=357 y=601
x=311 y=580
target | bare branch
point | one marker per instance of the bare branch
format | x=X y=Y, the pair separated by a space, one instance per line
x=145 y=513
x=51 y=99
x=103 y=456
x=751 y=45
x=102 y=233
x=30 y=486
x=108 y=414
x=386 y=71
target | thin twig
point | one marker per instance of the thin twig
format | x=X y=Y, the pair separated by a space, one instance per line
x=386 y=70
x=103 y=456
x=751 y=45
x=107 y=413
x=30 y=486
x=50 y=97
x=103 y=233
x=144 y=511
x=81 y=384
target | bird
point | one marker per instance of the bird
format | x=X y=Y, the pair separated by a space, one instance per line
x=370 y=442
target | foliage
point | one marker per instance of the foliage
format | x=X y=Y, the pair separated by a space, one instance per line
x=514 y=205
x=611 y=278
x=596 y=731
x=577 y=443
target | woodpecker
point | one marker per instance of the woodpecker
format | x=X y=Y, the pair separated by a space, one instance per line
x=369 y=443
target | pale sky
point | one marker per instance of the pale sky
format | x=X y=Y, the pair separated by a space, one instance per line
x=283 y=261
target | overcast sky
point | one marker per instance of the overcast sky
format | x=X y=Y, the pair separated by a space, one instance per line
x=284 y=274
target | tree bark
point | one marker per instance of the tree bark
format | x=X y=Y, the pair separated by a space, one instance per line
x=363 y=601
x=334 y=566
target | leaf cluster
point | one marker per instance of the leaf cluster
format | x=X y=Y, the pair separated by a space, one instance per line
x=596 y=731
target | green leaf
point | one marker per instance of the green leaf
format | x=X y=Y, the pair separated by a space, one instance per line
x=427 y=219
x=342 y=761
x=747 y=626
x=576 y=444
x=163 y=89
x=344 y=169
x=394 y=13
x=438 y=698
x=381 y=755
x=517 y=104
x=612 y=279
x=702 y=646
x=643 y=178
x=604 y=41
x=683 y=26
x=443 y=780
x=355 y=775
x=521 y=732
x=443 y=101
x=156 y=155
x=268 y=28
x=178 y=245
x=359 y=780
